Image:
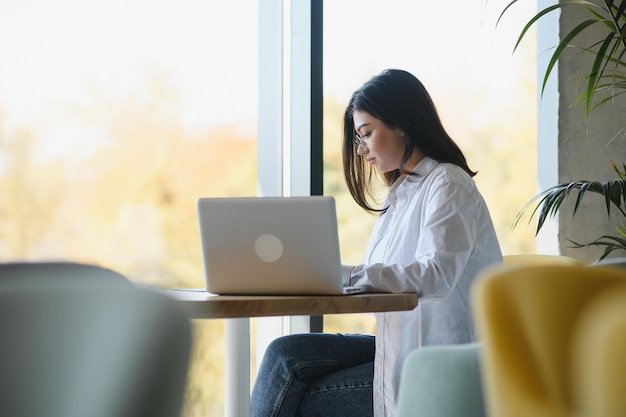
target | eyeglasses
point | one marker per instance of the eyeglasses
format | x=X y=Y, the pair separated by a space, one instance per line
x=358 y=143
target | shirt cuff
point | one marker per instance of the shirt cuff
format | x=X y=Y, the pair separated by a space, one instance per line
x=346 y=273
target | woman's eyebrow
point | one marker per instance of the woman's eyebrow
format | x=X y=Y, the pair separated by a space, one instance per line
x=361 y=126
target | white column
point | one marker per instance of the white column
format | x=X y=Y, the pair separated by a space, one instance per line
x=284 y=140
x=237 y=368
x=300 y=98
x=547 y=122
x=299 y=59
x=271 y=98
x=269 y=183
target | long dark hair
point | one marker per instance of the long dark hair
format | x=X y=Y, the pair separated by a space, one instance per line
x=400 y=101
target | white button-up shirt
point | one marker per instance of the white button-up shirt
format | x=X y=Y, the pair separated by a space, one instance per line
x=435 y=237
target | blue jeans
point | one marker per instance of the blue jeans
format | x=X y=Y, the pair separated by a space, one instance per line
x=315 y=374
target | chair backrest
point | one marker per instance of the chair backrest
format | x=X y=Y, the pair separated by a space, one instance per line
x=441 y=381
x=552 y=343
x=517 y=260
x=76 y=352
x=40 y=275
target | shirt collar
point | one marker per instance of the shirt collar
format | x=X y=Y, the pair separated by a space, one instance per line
x=404 y=183
x=423 y=168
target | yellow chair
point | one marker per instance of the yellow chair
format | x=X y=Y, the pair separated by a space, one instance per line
x=553 y=340
x=516 y=260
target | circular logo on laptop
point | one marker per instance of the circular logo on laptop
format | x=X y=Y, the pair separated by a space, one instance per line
x=268 y=247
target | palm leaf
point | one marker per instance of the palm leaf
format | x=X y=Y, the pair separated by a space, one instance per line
x=621 y=14
x=565 y=42
x=597 y=70
x=620 y=11
x=548 y=203
x=622 y=175
x=607 y=99
x=504 y=11
x=610 y=244
x=531 y=21
x=611 y=47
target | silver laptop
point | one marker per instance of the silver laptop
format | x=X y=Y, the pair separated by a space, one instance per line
x=271 y=245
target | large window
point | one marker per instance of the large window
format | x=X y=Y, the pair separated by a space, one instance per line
x=116 y=115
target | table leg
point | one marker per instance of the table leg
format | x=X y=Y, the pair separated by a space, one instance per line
x=237 y=369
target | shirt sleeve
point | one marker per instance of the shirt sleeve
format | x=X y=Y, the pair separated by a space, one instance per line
x=446 y=236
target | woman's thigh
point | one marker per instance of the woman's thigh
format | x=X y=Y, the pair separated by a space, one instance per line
x=344 y=393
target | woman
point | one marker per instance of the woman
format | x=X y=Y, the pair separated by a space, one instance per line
x=432 y=236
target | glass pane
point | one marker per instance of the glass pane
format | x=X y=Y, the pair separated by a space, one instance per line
x=486 y=96
x=115 y=116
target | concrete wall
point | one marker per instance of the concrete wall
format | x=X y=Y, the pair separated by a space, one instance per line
x=585 y=149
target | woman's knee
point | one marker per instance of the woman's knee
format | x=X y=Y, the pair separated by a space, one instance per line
x=290 y=346
x=287 y=355
x=319 y=346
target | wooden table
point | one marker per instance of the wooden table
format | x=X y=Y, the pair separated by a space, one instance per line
x=201 y=305
x=238 y=309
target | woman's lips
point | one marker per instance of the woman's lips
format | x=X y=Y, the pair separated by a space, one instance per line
x=370 y=160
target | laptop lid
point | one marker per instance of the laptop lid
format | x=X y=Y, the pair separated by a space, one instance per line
x=270 y=245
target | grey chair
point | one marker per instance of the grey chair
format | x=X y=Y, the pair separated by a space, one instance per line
x=76 y=350
x=39 y=275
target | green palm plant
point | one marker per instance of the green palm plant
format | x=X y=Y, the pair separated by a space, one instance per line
x=607 y=75
x=605 y=80
x=549 y=202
